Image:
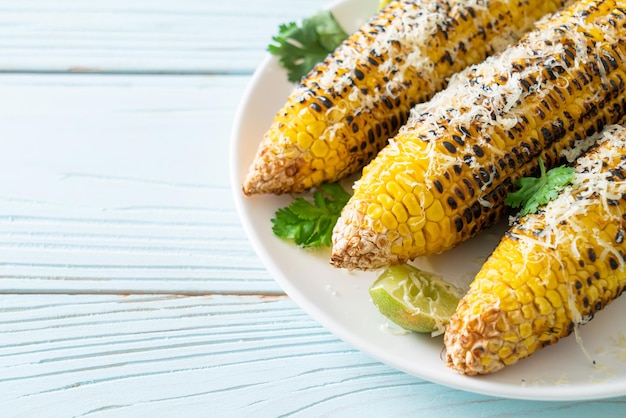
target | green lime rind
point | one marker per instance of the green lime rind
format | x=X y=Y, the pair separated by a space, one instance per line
x=415 y=300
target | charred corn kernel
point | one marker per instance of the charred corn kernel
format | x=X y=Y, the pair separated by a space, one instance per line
x=363 y=92
x=589 y=208
x=497 y=98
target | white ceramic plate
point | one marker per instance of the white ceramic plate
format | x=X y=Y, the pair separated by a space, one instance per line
x=339 y=299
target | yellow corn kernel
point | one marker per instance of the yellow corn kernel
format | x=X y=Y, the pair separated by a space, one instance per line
x=446 y=150
x=501 y=325
x=396 y=249
x=412 y=205
x=510 y=304
x=418 y=239
x=510 y=336
x=395 y=190
x=549 y=280
x=389 y=221
x=536 y=286
x=515 y=314
x=385 y=200
x=304 y=139
x=505 y=351
x=377 y=226
x=319 y=148
x=316 y=129
x=318 y=164
x=399 y=212
x=404 y=230
x=554 y=298
x=374 y=210
x=529 y=311
x=543 y=305
x=424 y=196
x=406 y=182
x=416 y=223
x=525 y=330
x=434 y=212
x=432 y=231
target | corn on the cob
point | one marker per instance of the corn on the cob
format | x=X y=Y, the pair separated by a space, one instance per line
x=551 y=271
x=444 y=177
x=341 y=114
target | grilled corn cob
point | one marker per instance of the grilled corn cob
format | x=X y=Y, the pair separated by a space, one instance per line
x=444 y=177
x=551 y=271
x=341 y=114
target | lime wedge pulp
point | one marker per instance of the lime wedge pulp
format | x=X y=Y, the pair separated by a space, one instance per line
x=414 y=299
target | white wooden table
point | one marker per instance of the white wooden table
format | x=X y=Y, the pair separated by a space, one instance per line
x=127 y=285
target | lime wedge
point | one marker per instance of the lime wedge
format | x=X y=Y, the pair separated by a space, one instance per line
x=414 y=299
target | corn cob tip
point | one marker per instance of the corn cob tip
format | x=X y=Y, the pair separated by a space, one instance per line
x=359 y=248
x=467 y=349
x=343 y=112
x=272 y=173
x=544 y=279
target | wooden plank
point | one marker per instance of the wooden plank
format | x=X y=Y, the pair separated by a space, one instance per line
x=120 y=184
x=164 y=355
x=147 y=36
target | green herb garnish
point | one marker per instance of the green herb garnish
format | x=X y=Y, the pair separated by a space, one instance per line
x=537 y=191
x=310 y=223
x=300 y=47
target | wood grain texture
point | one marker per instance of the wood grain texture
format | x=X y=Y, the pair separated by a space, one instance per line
x=222 y=356
x=142 y=36
x=120 y=184
x=127 y=285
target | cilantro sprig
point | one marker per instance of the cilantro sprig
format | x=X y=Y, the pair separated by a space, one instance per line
x=309 y=223
x=300 y=47
x=534 y=192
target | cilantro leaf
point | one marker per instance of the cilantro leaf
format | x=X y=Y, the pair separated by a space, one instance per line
x=310 y=222
x=300 y=47
x=537 y=191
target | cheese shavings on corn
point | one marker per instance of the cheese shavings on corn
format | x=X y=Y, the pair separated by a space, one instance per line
x=444 y=177
x=342 y=113
x=551 y=271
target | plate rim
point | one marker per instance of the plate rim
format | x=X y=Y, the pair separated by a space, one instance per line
x=477 y=384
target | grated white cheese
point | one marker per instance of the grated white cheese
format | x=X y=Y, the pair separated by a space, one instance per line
x=594 y=185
